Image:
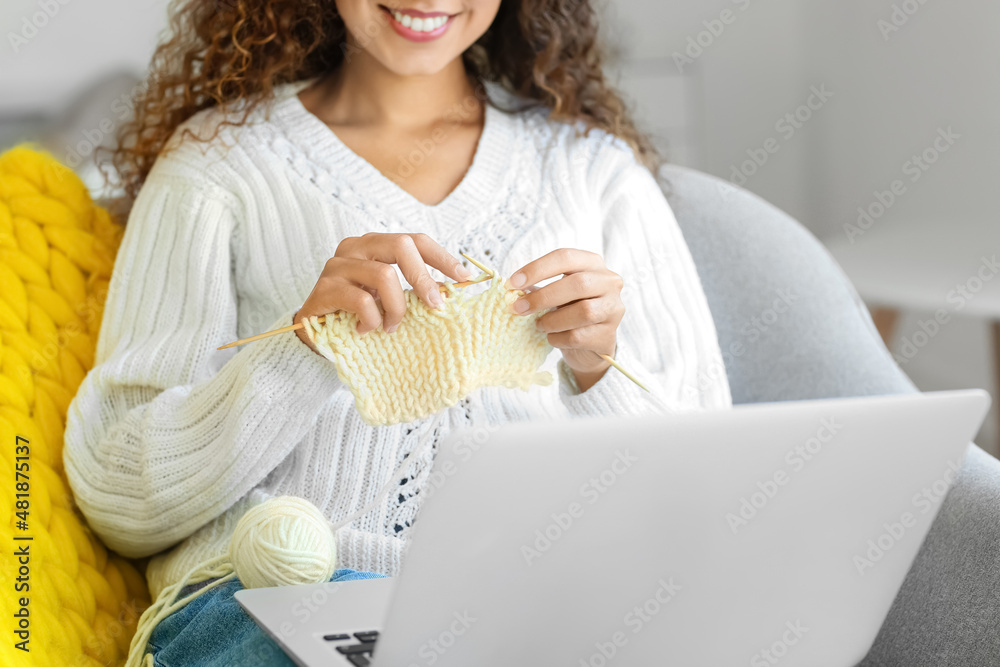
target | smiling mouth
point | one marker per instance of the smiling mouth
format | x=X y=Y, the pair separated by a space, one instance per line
x=418 y=22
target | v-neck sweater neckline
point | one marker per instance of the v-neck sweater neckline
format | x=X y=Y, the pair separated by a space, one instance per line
x=481 y=181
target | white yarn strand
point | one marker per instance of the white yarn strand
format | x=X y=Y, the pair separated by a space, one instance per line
x=166 y=604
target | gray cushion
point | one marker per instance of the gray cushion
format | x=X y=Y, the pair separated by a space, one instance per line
x=755 y=260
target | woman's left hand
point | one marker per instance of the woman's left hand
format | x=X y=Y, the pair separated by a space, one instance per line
x=588 y=308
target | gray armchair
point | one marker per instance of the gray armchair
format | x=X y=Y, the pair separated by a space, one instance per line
x=750 y=254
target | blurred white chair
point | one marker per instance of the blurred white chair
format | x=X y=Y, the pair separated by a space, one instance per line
x=941 y=270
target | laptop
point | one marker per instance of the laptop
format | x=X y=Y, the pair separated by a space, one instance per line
x=768 y=534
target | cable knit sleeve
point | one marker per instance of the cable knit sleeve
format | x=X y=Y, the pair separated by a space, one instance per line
x=667 y=338
x=166 y=432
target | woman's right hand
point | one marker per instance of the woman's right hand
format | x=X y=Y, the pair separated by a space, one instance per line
x=360 y=276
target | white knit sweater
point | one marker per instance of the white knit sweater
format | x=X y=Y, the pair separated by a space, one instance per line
x=169 y=440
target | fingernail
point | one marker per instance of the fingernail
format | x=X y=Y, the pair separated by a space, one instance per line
x=462 y=271
x=516 y=280
x=436 y=300
x=392 y=329
x=520 y=306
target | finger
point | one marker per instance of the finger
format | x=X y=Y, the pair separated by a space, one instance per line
x=401 y=249
x=338 y=294
x=567 y=289
x=378 y=301
x=577 y=315
x=383 y=278
x=431 y=252
x=555 y=263
x=414 y=269
x=358 y=301
x=442 y=260
x=585 y=338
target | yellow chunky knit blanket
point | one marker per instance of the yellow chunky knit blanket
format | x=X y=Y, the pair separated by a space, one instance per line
x=437 y=356
x=66 y=599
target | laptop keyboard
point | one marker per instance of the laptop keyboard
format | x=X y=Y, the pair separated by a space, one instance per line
x=358 y=654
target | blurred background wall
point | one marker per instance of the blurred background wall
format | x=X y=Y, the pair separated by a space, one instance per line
x=69 y=69
x=816 y=106
x=895 y=75
x=55 y=50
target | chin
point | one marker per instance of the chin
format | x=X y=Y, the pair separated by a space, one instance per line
x=404 y=61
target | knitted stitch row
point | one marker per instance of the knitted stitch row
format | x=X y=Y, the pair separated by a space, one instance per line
x=436 y=357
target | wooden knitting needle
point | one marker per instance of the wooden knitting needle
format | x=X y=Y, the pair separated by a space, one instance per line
x=624 y=372
x=490 y=273
x=479 y=266
x=322 y=318
x=266 y=334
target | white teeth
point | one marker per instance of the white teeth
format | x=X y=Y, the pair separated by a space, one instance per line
x=420 y=24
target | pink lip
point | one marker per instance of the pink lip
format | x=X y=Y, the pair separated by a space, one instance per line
x=413 y=35
x=416 y=13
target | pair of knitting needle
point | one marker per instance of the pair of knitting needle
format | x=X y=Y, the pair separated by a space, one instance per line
x=489 y=275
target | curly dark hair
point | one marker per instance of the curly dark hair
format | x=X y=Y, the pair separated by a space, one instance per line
x=223 y=51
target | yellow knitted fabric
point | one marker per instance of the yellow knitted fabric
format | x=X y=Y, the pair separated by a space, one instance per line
x=436 y=357
x=56 y=253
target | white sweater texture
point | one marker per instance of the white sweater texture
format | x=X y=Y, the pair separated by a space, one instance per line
x=169 y=440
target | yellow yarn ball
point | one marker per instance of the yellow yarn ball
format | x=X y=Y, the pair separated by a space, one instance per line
x=281 y=542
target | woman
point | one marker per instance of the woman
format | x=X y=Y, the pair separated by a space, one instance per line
x=291 y=156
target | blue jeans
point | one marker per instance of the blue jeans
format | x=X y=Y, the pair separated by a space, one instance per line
x=213 y=631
